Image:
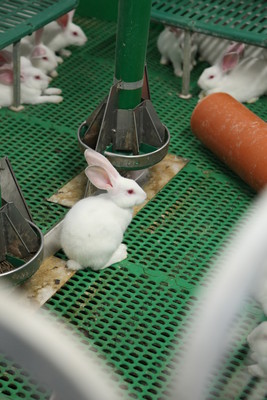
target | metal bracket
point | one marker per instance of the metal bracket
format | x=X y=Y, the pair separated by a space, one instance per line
x=16 y=106
x=10 y=190
x=186 y=66
x=17 y=238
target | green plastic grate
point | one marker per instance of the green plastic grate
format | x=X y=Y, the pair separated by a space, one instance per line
x=134 y=313
x=137 y=320
x=19 y=18
x=231 y=19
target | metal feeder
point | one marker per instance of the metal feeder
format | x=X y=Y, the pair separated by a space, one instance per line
x=21 y=242
x=125 y=126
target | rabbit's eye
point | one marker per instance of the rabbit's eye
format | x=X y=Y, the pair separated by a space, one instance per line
x=211 y=76
x=45 y=58
x=130 y=191
x=37 y=77
x=75 y=33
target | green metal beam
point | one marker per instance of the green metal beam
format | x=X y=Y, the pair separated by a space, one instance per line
x=132 y=37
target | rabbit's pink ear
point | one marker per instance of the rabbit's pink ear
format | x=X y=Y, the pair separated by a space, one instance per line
x=38 y=36
x=229 y=61
x=176 y=31
x=38 y=52
x=6 y=76
x=232 y=56
x=71 y=14
x=5 y=57
x=236 y=48
x=99 y=177
x=94 y=158
x=63 y=20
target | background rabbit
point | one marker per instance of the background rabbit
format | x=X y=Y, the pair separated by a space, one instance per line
x=170 y=45
x=62 y=33
x=257 y=341
x=33 y=85
x=6 y=60
x=212 y=49
x=42 y=56
x=38 y=54
x=165 y=40
x=245 y=80
x=92 y=231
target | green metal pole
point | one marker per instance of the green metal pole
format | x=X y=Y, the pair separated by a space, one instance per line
x=132 y=36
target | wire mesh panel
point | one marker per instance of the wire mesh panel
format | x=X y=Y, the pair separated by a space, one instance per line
x=233 y=19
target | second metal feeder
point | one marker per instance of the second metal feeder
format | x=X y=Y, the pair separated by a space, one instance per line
x=125 y=126
x=21 y=242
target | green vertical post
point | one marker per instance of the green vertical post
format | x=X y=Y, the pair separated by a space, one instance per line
x=132 y=36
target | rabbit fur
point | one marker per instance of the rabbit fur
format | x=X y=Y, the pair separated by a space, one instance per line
x=257 y=341
x=34 y=86
x=92 y=231
x=245 y=80
x=62 y=33
x=40 y=55
x=260 y=292
x=170 y=46
x=212 y=49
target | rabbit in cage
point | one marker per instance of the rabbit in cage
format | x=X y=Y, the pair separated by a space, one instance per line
x=92 y=231
x=33 y=86
x=170 y=44
x=62 y=33
x=243 y=78
x=212 y=49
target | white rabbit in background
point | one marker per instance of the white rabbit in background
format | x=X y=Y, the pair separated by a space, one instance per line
x=212 y=49
x=33 y=86
x=92 y=231
x=245 y=80
x=38 y=54
x=6 y=60
x=170 y=45
x=62 y=33
x=42 y=56
x=165 y=40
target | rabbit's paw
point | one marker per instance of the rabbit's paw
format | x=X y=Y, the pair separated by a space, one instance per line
x=122 y=251
x=255 y=370
x=252 y=100
x=119 y=255
x=65 y=53
x=53 y=73
x=74 y=265
x=164 y=60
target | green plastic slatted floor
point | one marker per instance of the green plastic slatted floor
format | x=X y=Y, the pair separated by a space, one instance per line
x=135 y=314
x=239 y=20
x=19 y=18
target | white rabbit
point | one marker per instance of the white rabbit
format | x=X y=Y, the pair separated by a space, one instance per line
x=42 y=56
x=6 y=60
x=212 y=49
x=170 y=46
x=33 y=86
x=63 y=33
x=257 y=341
x=39 y=55
x=165 y=40
x=92 y=231
x=260 y=292
x=246 y=80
